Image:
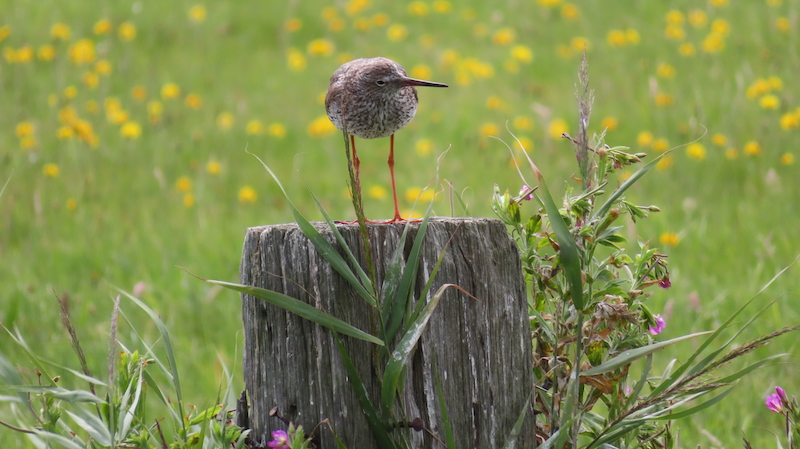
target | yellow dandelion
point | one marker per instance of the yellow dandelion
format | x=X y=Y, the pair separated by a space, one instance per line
x=665 y=162
x=663 y=99
x=774 y=2
x=25 y=54
x=46 y=52
x=64 y=132
x=569 y=11
x=423 y=147
x=418 y=8
x=170 y=91
x=320 y=47
x=396 y=32
x=321 y=126
x=127 y=31
x=632 y=36
x=775 y=82
x=489 y=129
x=277 y=130
x=421 y=71
x=361 y=24
x=759 y=87
x=557 y=127
x=732 y=153
x=719 y=3
x=71 y=204
x=5 y=31
x=616 y=38
x=92 y=106
x=295 y=60
x=665 y=70
x=687 y=49
x=10 y=54
x=675 y=32
x=213 y=167
x=503 y=36
x=412 y=194
x=713 y=43
x=154 y=110
x=442 y=6
x=377 y=192
x=91 y=79
x=580 y=43
x=789 y=121
x=610 y=123
x=660 y=145
x=25 y=129
x=782 y=24
x=197 y=13
x=254 y=127
x=293 y=25
x=356 y=6
x=675 y=17
x=82 y=52
x=769 y=102
x=50 y=170
x=183 y=184
x=193 y=101
x=60 y=31
x=549 y=3
x=117 y=116
x=139 y=93
x=380 y=19
x=494 y=102
x=644 y=138
x=102 y=26
x=225 y=121
x=523 y=143
x=247 y=195
x=27 y=142
x=669 y=239
x=522 y=53
x=719 y=140
x=752 y=148
x=787 y=159
x=696 y=151
x=721 y=27
x=131 y=130
x=188 y=200
x=103 y=67
x=698 y=18
x=70 y=92
x=522 y=123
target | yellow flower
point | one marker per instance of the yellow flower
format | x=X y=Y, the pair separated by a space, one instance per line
x=170 y=91
x=102 y=26
x=423 y=147
x=494 y=102
x=320 y=47
x=361 y=24
x=247 y=195
x=154 y=110
x=442 y=6
x=356 y=6
x=183 y=184
x=557 y=127
x=225 y=121
x=277 y=130
x=686 y=49
x=188 y=200
x=321 y=126
x=489 y=129
x=663 y=99
x=117 y=116
x=46 y=52
x=732 y=153
x=27 y=142
x=92 y=106
x=609 y=122
x=719 y=3
x=769 y=102
x=644 y=138
x=782 y=24
x=72 y=204
x=131 y=130
x=213 y=167
x=5 y=31
x=377 y=192
x=82 y=52
x=632 y=36
x=549 y=3
x=579 y=43
x=416 y=194
x=60 y=31
x=569 y=11
x=759 y=87
x=522 y=123
x=127 y=31
x=752 y=148
x=91 y=79
x=775 y=82
x=197 y=13
x=380 y=19
x=669 y=239
x=675 y=32
x=698 y=18
x=292 y=25
x=616 y=38
x=295 y=60
x=696 y=151
x=70 y=92
x=421 y=71
x=522 y=53
x=254 y=127
x=665 y=70
x=660 y=145
x=503 y=36
x=397 y=32
x=25 y=129
x=523 y=143
x=65 y=132
x=665 y=162
x=193 y=101
x=713 y=43
x=139 y=93
x=789 y=120
x=50 y=170
x=721 y=27
x=103 y=67
x=787 y=159
x=675 y=17
x=418 y=8
x=719 y=140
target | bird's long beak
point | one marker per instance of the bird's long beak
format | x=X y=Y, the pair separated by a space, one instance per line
x=416 y=82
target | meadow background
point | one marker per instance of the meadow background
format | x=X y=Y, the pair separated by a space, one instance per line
x=124 y=126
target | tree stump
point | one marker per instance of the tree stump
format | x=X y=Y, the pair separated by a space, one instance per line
x=479 y=349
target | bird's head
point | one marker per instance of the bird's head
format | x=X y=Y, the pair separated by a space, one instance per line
x=382 y=76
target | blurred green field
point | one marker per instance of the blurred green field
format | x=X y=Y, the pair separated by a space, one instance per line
x=124 y=128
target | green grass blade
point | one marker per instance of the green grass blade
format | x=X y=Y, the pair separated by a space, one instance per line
x=392 y=304
x=511 y=440
x=695 y=409
x=93 y=425
x=635 y=354
x=301 y=309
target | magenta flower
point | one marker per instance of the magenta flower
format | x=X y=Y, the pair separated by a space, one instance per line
x=781 y=393
x=774 y=402
x=279 y=439
x=660 y=325
x=665 y=283
x=527 y=197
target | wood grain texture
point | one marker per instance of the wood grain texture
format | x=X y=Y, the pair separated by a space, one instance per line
x=480 y=349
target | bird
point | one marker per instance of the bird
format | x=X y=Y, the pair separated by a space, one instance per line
x=371 y=98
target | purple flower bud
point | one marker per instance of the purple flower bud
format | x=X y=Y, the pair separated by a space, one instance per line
x=279 y=439
x=781 y=393
x=774 y=403
x=525 y=189
x=660 y=325
x=665 y=283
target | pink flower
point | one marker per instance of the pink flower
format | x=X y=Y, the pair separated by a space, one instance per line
x=279 y=439
x=665 y=283
x=780 y=393
x=660 y=325
x=774 y=402
x=525 y=189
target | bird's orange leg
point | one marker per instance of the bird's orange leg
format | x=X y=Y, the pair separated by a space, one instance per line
x=397 y=216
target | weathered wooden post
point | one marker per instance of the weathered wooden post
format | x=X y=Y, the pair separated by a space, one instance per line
x=479 y=349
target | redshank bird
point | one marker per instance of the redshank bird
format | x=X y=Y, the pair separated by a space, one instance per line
x=372 y=98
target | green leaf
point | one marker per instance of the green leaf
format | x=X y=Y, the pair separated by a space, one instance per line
x=93 y=425
x=631 y=355
x=570 y=259
x=511 y=439
x=301 y=309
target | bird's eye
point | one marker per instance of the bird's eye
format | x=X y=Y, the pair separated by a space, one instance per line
x=380 y=82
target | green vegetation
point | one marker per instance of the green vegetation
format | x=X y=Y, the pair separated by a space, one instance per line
x=124 y=128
